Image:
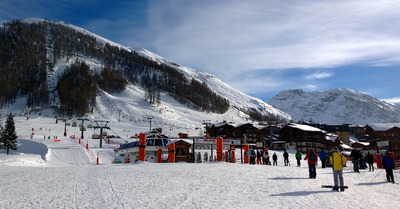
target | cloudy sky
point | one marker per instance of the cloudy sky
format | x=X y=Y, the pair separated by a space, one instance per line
x=259 y=47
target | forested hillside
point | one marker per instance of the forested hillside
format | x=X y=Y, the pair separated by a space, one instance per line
x=29 y=52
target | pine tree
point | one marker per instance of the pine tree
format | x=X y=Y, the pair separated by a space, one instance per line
x=8 y=135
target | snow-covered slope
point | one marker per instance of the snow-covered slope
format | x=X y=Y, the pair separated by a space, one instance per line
x=129 y=106
x=236 y=98
x=335 y=106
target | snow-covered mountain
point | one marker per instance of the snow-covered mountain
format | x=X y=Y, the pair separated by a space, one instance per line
x=335 y=106
x=129 y=105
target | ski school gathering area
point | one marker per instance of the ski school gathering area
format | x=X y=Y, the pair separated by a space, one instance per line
x=50 y=170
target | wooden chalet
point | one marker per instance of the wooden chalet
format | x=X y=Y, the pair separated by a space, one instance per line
x=183 y=149
x=245 y=132
x=342 y=131
x=384 y=136
x=304 y=138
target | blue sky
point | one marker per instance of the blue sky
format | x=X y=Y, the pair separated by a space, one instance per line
x=259 y=47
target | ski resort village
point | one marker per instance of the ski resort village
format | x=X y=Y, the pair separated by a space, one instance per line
x=66 y=163
x=86 y=122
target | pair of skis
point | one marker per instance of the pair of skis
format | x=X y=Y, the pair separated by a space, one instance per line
x=331 y=186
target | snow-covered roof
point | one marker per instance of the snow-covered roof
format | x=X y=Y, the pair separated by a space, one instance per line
x=278 y=142
x=383 y=126
x=346 y=147
x=220 y=124
x=331 y=137
x=354 y=139
x=305 y=127
x=189 y=141
x=239 y=124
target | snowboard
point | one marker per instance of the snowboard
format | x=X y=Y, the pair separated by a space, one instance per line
x=331 y=186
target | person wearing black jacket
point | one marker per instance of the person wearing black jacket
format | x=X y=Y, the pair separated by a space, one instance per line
x=370 y=160
x=275 y=158
x=355 y=158
x=286 y=158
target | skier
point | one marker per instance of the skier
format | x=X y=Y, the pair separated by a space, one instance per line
x=322 y=157
x=370 y=161
x=275 y=159
x=298 y=158
x=388 y=165
x=312 y=160
x=338 y=161
x=286 y=158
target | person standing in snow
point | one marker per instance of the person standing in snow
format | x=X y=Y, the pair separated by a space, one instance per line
x=286 y=158
x=252 y=157
x=268 y=161
x=298 y=158
x=275 y=158
x=265 y=156
x=322 y=157
x=355 y=160
x=312 y=160
x=259 y=157
x=337 y=161
x=388 y=165
x=370 y=160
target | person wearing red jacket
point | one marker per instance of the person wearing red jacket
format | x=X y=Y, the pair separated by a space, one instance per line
x=312 y=161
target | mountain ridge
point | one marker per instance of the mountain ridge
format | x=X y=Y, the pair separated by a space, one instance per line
x=241 y=106
x=335 y=106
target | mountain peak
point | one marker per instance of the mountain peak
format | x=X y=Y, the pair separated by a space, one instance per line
x=335 y=106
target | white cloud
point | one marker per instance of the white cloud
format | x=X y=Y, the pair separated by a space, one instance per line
x=395 y=100
x=234 y=38
x=319 y=75
x=238 y=35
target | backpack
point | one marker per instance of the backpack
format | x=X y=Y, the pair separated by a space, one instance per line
x=312 y=156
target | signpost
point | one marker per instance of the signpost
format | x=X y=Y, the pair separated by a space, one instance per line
x=214 y=141
x=382 y=144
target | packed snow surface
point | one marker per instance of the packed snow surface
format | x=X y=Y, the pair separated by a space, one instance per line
x=68 y=177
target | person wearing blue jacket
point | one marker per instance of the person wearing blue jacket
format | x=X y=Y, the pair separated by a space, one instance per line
x=322 y=157
x=388 y=165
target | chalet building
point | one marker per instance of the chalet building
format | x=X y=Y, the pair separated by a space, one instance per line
x=182 y=135
x=183 y=151
x=342 y=131
x=248 y=132
x=245 y=132
x=384 y=136
x=304 y=137
x=222 y=129
x=357 y=131
x=270 y=135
